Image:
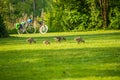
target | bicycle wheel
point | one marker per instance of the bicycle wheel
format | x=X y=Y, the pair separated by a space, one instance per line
x=30 y=29
x=43 y=29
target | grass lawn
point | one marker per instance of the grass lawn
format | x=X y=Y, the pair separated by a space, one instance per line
x=96 y=59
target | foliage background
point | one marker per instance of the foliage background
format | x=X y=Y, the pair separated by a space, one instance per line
x=63 y=15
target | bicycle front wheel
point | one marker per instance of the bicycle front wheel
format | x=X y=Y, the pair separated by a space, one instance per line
x=30 y=29
x=21 y=31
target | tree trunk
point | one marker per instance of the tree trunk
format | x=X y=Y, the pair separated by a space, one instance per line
x=104 y=10
x=34 y=9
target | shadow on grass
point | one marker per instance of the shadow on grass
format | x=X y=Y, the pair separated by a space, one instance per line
x=59 y=64
x=66 y=35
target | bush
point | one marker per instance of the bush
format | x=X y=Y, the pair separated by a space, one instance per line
x=3 y=31
x=114 y=18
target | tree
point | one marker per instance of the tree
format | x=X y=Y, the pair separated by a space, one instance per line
x=3 y=31
x=104 y=12
x=64 y=15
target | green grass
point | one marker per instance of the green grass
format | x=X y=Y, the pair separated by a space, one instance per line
x=96 y=59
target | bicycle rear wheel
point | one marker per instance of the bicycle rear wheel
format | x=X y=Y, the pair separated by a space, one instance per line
x=30 y=29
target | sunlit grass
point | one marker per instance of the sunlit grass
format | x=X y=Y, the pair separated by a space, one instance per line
x=92 y=78
x=96 y=59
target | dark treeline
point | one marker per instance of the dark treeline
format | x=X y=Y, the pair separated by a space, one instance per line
x=64 y=15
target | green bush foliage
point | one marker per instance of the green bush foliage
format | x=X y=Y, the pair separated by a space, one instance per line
x=64 y=15
x=3 y=31
x=114 y=18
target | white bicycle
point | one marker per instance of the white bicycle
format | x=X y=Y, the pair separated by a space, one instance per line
x=43 y=28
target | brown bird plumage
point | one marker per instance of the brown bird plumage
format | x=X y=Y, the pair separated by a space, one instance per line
x=59 y=39
x=79 y=39
x=46 y=42
x=30 y=40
